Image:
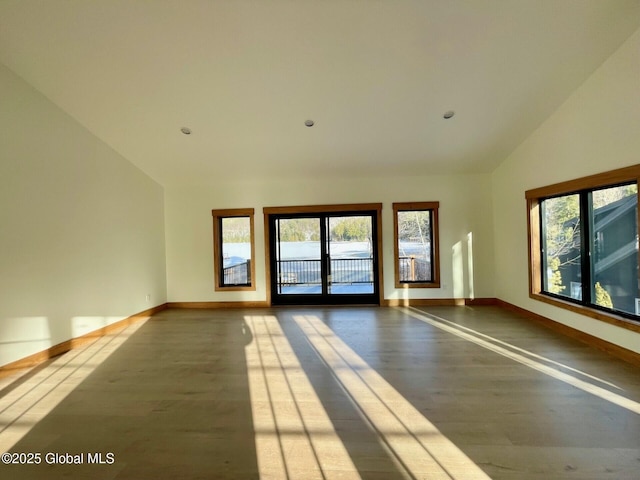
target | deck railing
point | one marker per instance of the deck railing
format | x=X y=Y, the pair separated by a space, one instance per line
x=352 y=270
x=343 y=271
x=238 y=274
x=414 y=269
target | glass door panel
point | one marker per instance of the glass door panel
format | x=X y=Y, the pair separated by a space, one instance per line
x=350 y=247
x=298 y=256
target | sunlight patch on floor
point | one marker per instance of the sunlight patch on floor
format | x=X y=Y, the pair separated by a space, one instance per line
x=529 y=360
x=294 y=435
x=416 y=445
x=34 y=397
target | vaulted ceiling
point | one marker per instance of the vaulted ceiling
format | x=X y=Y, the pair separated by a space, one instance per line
x=375 y=76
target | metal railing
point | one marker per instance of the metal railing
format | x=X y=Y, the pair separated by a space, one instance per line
x=352 y=270
x=299 y=272
x=238 y=274
x=308 y=272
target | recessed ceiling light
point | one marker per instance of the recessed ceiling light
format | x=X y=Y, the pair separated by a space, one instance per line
x=449 y=114
x=186 y=130
x=309 y=123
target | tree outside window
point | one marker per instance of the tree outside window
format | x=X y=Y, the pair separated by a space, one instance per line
x=416 y=244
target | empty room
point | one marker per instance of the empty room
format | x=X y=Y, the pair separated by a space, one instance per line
x=277 y=239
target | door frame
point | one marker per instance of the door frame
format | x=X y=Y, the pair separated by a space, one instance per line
x=313 y=209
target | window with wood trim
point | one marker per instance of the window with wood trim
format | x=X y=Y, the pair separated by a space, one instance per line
x=416 y=250
x=233 y=249
x=583 y=245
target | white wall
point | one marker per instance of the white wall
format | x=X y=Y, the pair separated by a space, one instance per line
x=465 y=207
x=595 y=130
x=82 y=242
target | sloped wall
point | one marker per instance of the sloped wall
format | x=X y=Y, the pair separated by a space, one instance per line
x=82 y=242
x=595 y=130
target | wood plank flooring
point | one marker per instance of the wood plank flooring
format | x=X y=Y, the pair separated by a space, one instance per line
x=304 y=393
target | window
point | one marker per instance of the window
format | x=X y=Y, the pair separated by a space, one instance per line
x=233 y=249
x=583 y=239
x=416 y=254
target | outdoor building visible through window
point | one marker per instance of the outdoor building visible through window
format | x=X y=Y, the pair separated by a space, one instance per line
x=585 y=248
x=613 y=219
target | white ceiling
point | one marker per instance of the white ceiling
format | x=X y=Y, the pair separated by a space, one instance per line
x=375 y=75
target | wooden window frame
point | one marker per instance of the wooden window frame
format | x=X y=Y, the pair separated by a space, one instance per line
x=435 y=241
x=534 y=198
x=218 y=215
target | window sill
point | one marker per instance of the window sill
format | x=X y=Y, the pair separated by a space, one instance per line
x=418 y=285
x=235 y=288
x=610 y=318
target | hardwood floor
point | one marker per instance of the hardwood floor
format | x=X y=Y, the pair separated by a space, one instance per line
x=303 y=393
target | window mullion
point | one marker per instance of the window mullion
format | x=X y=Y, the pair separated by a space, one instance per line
x=585 y=244
x=543 y=246
x=220 y=252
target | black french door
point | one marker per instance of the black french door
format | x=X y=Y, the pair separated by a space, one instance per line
x=324 y=258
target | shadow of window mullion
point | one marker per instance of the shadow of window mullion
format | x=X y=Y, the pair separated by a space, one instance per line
x=357 y=433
